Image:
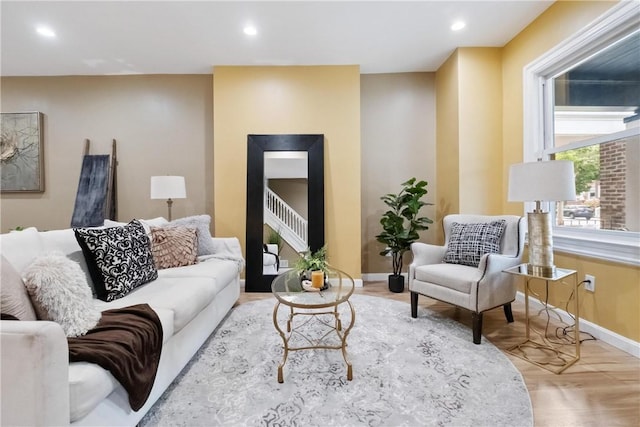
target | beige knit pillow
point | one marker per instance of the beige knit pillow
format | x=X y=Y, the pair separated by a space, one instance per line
x=174 y=246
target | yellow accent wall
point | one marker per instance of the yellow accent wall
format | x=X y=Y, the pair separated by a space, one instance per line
x=465 y=84
x=614 y=305
x=480 y=94
x=291 y=100
x=447 y=145
x=469 y=133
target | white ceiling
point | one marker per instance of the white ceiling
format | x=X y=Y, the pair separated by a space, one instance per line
x=191 y=37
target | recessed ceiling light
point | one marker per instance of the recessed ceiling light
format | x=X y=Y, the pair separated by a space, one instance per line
x=45 y=31
x=457 y=26
x=250 y=30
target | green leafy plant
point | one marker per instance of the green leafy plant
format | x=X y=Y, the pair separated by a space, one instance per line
x=401 y=223
x=312 y=261
x=275 y=238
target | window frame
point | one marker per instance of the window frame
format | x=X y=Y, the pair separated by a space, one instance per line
x=618 y=22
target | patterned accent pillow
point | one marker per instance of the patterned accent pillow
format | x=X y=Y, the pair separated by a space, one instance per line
x=174 y=246
x=468 y=242
x=201 y=224
x=119 y=258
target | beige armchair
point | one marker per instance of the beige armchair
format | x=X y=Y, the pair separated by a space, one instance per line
x=462 y=273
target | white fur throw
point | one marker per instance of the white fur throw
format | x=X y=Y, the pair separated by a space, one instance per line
x=59 y=291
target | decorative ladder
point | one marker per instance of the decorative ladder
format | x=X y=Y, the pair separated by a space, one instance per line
x=96 y=198
x=281 y=217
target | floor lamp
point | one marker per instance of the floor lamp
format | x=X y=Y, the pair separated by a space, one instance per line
x=168 y=187
x=549 y=181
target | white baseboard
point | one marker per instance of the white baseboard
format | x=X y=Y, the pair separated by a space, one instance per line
x=623 y=343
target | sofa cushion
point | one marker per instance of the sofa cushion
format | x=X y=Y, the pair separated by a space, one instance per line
x=201 y=224
x=14 y=299
x=174 y=246
x=89 y=383
x=119 y=258
x=222 y=271
x=59 y=292
x=185 y=297
x=469 y=241
x=454 y=276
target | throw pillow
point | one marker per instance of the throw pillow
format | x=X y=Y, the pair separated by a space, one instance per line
x=174 y=246
x=146 y=223
x=201 y=224
x=14 y=299
x=468 y=242
x=60 y=292
x=119 y=258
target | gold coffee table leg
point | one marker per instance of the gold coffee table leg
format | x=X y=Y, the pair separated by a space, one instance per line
x=344 y=342
x=284 y=340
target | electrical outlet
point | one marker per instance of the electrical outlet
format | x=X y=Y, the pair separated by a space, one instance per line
x=591 y=284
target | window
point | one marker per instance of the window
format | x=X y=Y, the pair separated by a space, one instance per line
x=582 y=103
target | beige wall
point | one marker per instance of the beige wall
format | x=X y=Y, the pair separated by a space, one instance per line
x=398 y=142
x=614 y=305
x=162 y=124
x=294 y=192
x=273 y=100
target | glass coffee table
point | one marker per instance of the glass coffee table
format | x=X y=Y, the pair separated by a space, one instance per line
x=313 y=320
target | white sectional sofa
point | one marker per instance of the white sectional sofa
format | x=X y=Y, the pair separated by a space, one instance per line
x=40 y=387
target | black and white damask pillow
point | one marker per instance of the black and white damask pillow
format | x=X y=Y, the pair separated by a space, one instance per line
x=119 y=258
x=468 y=242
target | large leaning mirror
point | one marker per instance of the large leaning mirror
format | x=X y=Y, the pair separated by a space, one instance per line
x=285 y=194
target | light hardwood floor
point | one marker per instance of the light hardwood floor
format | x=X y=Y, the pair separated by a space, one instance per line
x=601 y=389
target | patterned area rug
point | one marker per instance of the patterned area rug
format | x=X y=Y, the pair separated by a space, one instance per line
x=406 y=372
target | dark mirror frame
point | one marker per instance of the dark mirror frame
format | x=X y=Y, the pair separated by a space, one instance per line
x=257 y=145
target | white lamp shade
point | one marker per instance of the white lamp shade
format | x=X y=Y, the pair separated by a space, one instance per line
x=168 y=187
x=551 y=181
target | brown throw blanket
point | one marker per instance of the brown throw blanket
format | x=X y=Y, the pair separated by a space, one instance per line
x=127 y=342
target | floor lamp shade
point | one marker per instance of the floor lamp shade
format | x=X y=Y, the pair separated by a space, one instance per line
x=548 y=181
x=168 y=187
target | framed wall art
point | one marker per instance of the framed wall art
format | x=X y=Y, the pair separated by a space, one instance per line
x=21 y=153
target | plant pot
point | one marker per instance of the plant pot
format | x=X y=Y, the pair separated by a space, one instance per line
x=396 y=283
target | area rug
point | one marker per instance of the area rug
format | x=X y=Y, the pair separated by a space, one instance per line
x=406 y=372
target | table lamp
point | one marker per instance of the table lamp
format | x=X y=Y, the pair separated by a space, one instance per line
x=168 y=187
x=549 y=181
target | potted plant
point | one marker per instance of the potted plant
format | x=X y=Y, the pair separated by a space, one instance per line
x=400 y=226
x=310 y=262
x=275 y=238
